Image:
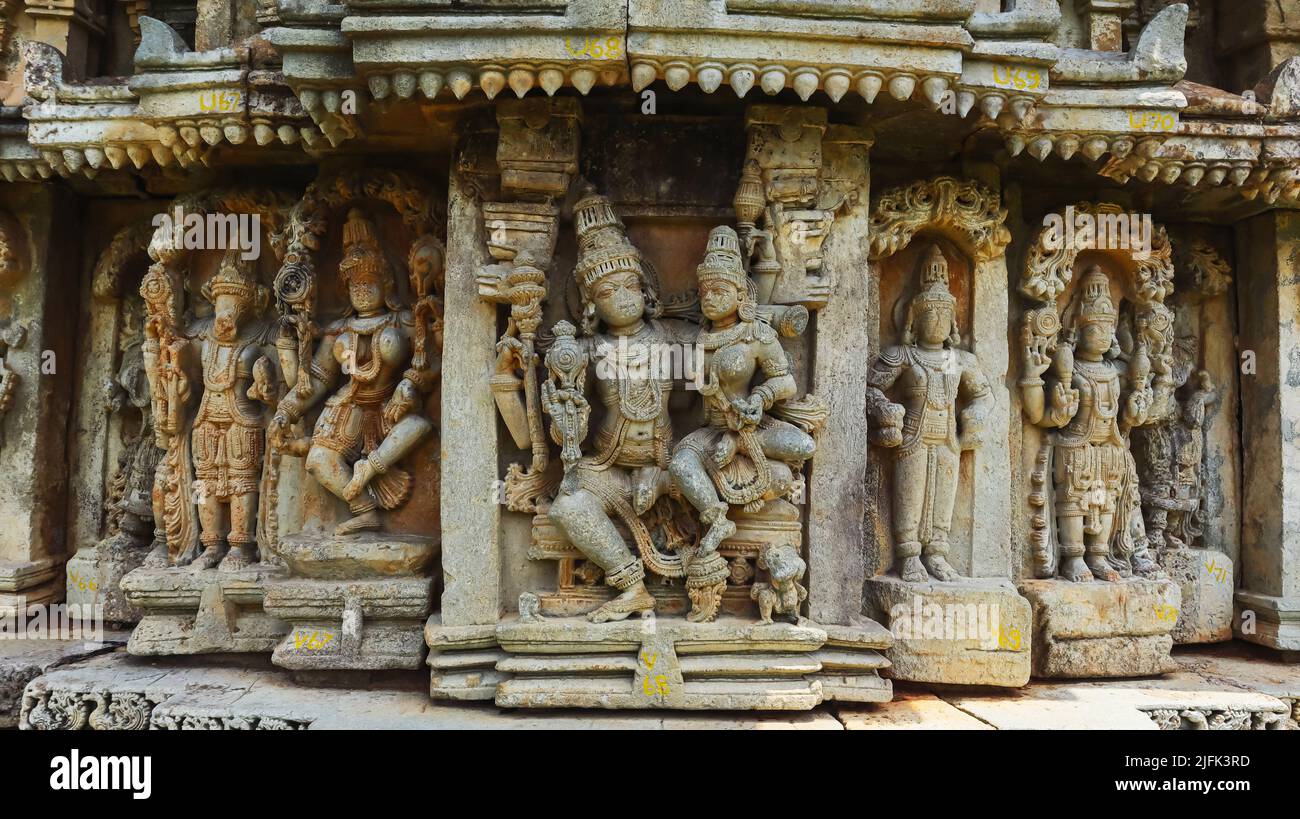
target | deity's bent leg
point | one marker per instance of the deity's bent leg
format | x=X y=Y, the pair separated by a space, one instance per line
x=401 y=439
x=695 y=483
x=942 y=493
x=243 y=532
x=331 y=470
x=786 y=442
x=582 y=518
x=909 y=508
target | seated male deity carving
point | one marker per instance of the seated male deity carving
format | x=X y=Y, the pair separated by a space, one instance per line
x=931 y=377
x=627 y=471
x=372 y=419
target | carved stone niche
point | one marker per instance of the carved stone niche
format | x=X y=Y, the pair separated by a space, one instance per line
x=1189 y=520
x=643 y=577
x=210 y=357
x=937 y=409
x=1096 y=365
x=353 y=445
x=114 y=465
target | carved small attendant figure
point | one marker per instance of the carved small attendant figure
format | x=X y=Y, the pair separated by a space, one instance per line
x=227 y=436
x=370 y=423
x=743 y=456
x=784 y=594
x=1094 y=475
x=929 y=375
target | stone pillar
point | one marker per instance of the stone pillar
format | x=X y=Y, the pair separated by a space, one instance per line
x=1268 y=600
x=38 y=323
x=471 y=513
x=836 y=493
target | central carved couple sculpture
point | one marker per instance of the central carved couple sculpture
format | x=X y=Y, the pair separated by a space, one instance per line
x=741 y=457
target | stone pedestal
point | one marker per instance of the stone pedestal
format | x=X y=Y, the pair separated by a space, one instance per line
x=192 y=612
x=731 y=664
x=353 y=603
x=1204 y=579
x=95 y=575
x=973 y=632
x=1100 y=629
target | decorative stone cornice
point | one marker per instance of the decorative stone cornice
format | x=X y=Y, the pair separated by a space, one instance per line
x=178 y=108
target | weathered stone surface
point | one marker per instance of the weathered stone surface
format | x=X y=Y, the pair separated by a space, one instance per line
x=909 y=710
x=1205 y=584
x=1100 y=629
x=22 y=661
x=974 y=631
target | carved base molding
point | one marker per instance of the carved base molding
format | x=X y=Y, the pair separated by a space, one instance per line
x=1100 y=629
x=363 y=625
x=189 y=612
x=29 y=583
x=126 y=709
x=1275 y=620
x=1204 y=578
x=357 y=602
x=973 y=632
x=730 y=664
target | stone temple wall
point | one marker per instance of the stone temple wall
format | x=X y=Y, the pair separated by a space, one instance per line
x=656 y=353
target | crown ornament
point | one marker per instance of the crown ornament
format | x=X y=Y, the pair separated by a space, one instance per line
x=234 y=278
x=722 y=260
x=363 y=259
x=934 y=278
x=603 y=246
x=1095 y=304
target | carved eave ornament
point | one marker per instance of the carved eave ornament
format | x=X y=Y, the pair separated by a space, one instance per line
x=969 y=213
x=73 y=125
x=1109 y=102
x=175 y=111
x=198 y=99
x=18 y=159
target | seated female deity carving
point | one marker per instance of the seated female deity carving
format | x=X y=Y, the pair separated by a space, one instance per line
x=929 y=375
x=1093 y=400
x=742 y=456
x=370 y=422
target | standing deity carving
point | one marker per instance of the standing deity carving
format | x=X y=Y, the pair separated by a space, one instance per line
x=931 y=377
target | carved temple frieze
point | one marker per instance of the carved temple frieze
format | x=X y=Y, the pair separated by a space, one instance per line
x=499 y=339
x=666 y=496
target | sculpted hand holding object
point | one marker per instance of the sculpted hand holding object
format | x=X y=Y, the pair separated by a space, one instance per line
x=626 y=474
x=373 y=420
x=929 y=375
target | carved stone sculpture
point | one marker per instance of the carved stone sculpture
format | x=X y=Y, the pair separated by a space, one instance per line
x=373 y=419
x=228 y=437
x=627 y=471
x=1094 y=401
x=742 y=456
x=930 y=375
x=1092 y=374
